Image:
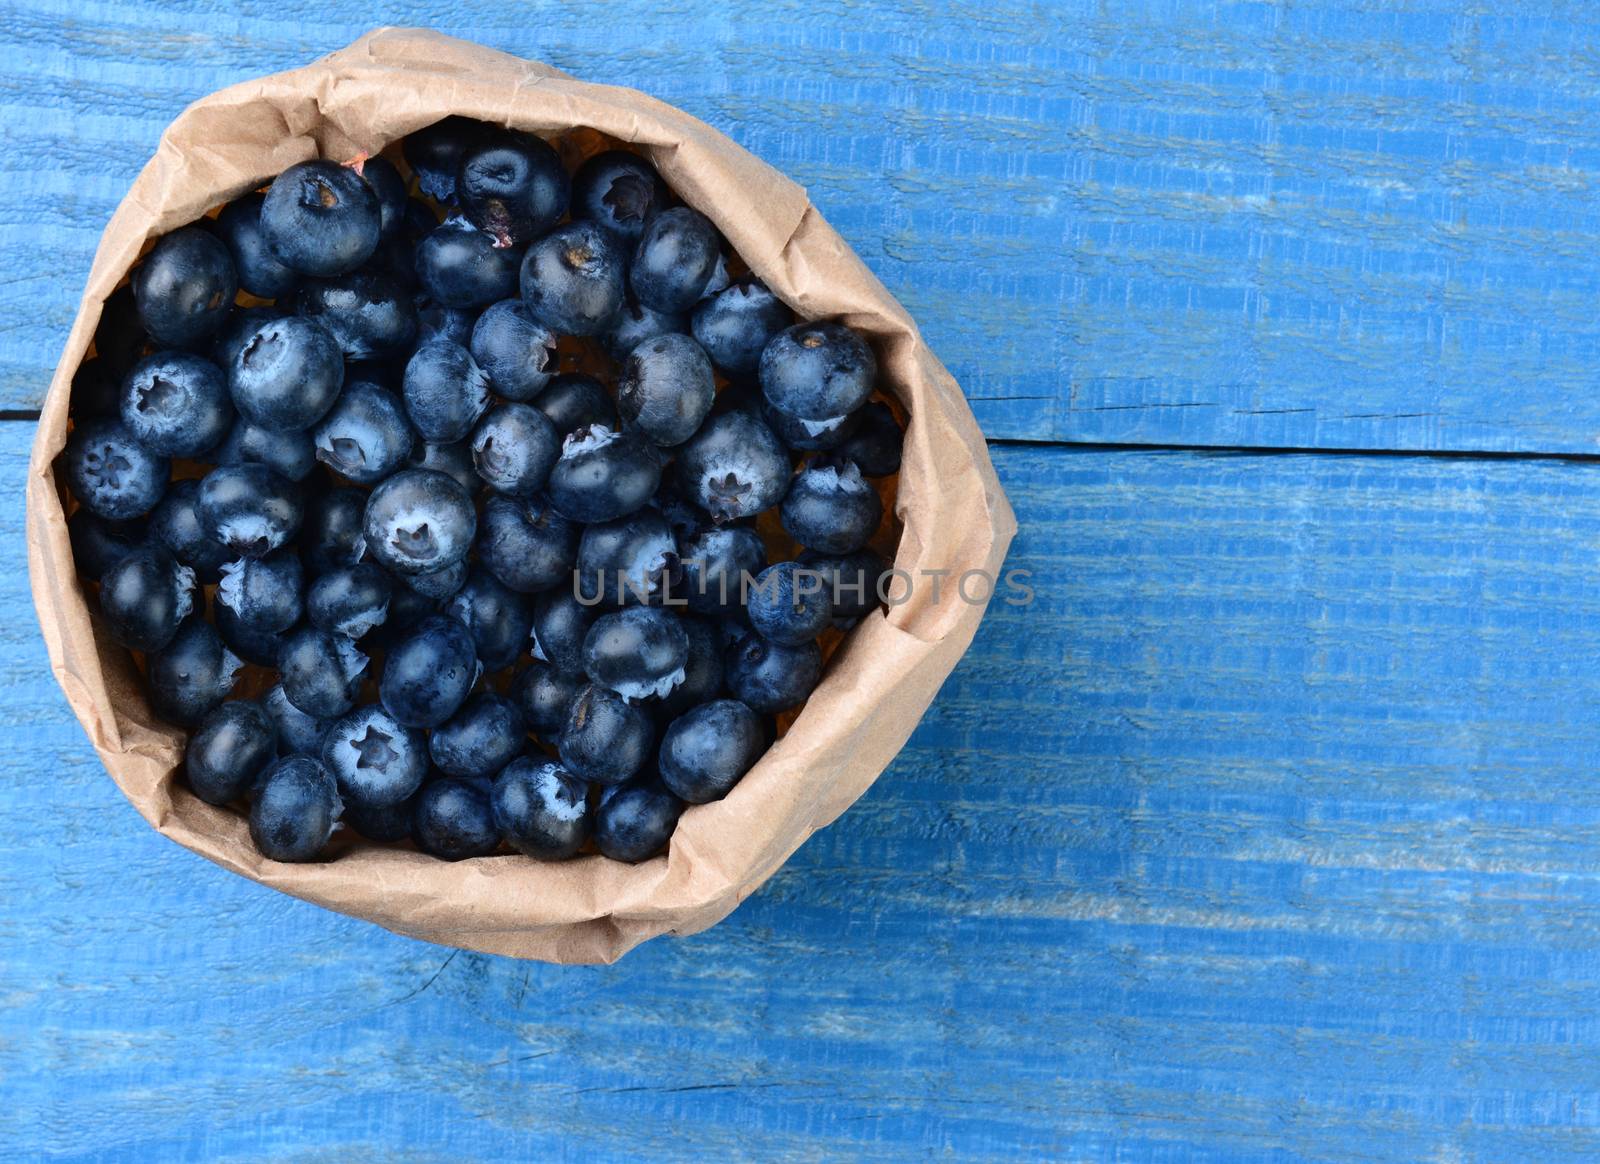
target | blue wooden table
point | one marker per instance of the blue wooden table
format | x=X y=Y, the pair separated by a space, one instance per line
x=1271 y=831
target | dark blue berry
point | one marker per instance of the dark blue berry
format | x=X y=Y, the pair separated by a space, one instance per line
x=185 y=286
x=110 y=472
x=734 y=467
x=175 y=523
x=635 y=821
x=295 y=810
x=439 y=584
x=434 y=154
x=453 y=459
x=386 y=824
x=734 y=325
x=480 y=739
x=810 y=436
x=851 y=582
x=191 y=674
x=619 y=192
x=248 y=508
x=818 y=370
x=514 y=448
x=321 y=672
x=437 y=321
x=333 y=525
x=375 y=760
x=875 y=444
x=98 y=544
x=630 y=560
x=572 y=279
x=287 y=375
x=452 y=820
x=366 y=436
x=298 y=734
x=541 y=809
x=145 y=596
x=176 y=404
x=253 y=645
x=379 y=173
x=419 y=521
x=771 y=677
x=715 y=563
x=289 y=454
x=445 y=391
x=429 y=672
x=259 y=270
x=675 y=260
x=603 y=474
x=349 y=600
x=369 y=313
x=266 y=594
x=639 y=653
x=702 y=672
x=512 y=186
x=831 y=507
x=560 y=623
x=706 y=752
x=526 y=544
x=498 y=617
x=572 y=400
x=545 y=696
x=321 y=219
x=789 y=604
x=666 y=389
x=237 y=330
x=606 y=739
x=406 y=609
x=516 y=351
x=461 y=266
x=231 y=748
x=636 y=323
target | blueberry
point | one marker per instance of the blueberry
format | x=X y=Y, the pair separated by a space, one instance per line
x=260 y=273
x=810 y=436
x=572 y=279
x=734 y=326
x=445 y=391
x=175 y=523
x=560 y=623
x=369 y=313
x=321 y=219
x=498 y=617
x=461 y=266
x=734 y=467
x=516 y=351
x=434 y=154
x=406 y=609
x=715 y=563
x=375 y=760
x=253 y=645
x=545 y=696
x=240 y=325
x=851 y=582
x=675 y=259
x=639 y=653
x=295 y=810
x=119 y=337
x=789 y=604
x=390 y=188
x=436 y=321
x=144 y=596
x=526 y=544
x=248 y=508
x=719 y=281
x=619 y=192
x=349 y=600
x=453 y=459
x=706 y=752
x=333 y=524
x=480 y=739
x=298 y=734
x=98 y=544
x=265 y=593
x=321 y=672
x=605 y=739
x=366 y=436
x=875 y=444
x=191 y=674
x=287 y=375
x=771 y=677
x=603 y=474
x=96 y=390
x=429 y=672
x=572 y=400
x=291 y=455
x=386 y=824
x=666 y=389
x=830 y=507
x=636 y=323
x=702 y=672
x=513 y=186
x=818 y=370
x=439 y=585
x=635 y=821
x=453 y=820
x=110 y=472
x=419 y=521
x=232 y=746
x=541 y=809
x=185 y=286
x=176 y=404
x=630 y=560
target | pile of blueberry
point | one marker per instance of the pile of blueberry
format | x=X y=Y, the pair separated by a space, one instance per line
x=392 y=457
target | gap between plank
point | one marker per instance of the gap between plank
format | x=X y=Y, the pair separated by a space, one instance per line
x=1294 y=450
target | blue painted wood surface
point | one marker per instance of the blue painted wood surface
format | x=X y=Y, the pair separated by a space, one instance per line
x=1268 y=832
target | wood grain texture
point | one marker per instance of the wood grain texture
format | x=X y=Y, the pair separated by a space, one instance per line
x=1267 y=832
x=1325 y=224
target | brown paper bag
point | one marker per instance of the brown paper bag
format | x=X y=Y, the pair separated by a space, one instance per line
x=879 y=682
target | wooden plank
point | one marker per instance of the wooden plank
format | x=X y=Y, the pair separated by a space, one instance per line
x=1320 y=225
x=1266 y=832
